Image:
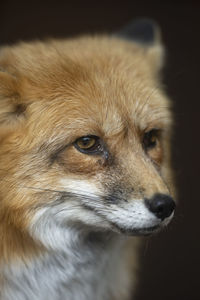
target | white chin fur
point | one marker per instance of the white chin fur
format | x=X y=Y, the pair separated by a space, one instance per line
x=56 y=225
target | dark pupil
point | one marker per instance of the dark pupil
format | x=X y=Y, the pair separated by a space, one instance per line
x=150 y=139
x=85 y=141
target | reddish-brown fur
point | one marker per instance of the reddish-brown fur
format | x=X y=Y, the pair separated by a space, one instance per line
x=48 y=90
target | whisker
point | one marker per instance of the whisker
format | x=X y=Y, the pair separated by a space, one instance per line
x=45 y=189
x=70 y=193
x=34 y=188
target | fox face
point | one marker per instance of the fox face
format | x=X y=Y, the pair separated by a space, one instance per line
x=85 y=139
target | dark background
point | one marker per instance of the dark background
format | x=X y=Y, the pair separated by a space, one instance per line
x=171 y=260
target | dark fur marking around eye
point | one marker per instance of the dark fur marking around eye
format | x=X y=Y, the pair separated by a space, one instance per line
x=107 y=159
x=55 y=154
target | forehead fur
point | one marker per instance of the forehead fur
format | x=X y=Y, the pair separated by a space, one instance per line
x=89 y=77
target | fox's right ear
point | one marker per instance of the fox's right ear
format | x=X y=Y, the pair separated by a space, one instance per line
x=11 y=108
x=143 y=31
x=146 y=33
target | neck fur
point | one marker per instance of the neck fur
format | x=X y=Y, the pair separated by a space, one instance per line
x=89 y=268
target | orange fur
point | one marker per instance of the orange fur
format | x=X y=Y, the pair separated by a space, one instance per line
x=55 y=92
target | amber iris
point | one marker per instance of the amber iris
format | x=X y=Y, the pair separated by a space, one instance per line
x=86 y=142
x=89 y=144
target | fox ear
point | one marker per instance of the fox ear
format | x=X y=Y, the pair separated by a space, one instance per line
x=11 y=108
x=146 y=33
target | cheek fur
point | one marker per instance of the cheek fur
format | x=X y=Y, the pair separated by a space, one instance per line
x=78 y=163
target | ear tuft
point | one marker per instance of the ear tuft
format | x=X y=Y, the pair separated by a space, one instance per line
x=144 y=31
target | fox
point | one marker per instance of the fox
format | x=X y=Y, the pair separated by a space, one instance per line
x=85 y=163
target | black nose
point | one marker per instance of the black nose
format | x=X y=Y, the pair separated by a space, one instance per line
x=161 y=205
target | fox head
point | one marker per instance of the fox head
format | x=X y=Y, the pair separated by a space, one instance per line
x=84 y=137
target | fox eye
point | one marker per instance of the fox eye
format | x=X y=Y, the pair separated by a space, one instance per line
x=150 y=139
x=88 y=144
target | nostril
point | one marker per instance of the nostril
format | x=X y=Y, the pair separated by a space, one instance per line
x=161 y=205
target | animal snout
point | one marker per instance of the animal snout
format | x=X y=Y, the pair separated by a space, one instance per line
x=161 y=205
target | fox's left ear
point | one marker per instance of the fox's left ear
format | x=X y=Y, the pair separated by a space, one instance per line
x=146 y=33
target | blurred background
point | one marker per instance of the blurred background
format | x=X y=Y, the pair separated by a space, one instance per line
x=170 y=260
